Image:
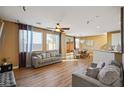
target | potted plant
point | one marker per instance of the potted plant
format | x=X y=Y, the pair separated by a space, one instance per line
x=4 y=61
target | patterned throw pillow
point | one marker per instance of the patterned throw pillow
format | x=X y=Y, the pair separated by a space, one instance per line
x=52 y=54
x=39 y=56
x=44 y=55
x=101 y=65
x=93 y=65
x=48 y=55
x=109 y=74
x=92 y=72
x=57 y=53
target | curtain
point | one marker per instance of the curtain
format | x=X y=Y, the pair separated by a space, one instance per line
x=60 y=40
x=25 y=45
x=74 y=43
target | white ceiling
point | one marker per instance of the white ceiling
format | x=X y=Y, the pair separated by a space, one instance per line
x=102 y=18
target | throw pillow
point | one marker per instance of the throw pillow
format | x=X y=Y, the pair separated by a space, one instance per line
x=39 y=56
x=52 y=54
x=92 y=72
x=109 y=74
x=57 y=53
x=48 y=55
x=101 y=65
x=93 y=65
x=44 y=55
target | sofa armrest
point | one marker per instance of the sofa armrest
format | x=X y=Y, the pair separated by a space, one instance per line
x=81 y=80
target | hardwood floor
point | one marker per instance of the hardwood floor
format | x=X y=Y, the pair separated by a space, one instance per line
x=55 y=75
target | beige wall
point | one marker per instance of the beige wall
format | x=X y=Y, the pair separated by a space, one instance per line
x=10 y=43
x=63 y=43
x=10 y=47
x=99 y=41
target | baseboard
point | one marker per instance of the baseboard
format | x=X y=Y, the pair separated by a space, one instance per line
x=15 y=67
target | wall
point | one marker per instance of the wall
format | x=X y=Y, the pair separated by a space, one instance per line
x=63 y=43
x=10 y=43
x=10 y=47
x=99 y=41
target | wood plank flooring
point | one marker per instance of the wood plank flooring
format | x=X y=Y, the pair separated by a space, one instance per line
x=55 y=75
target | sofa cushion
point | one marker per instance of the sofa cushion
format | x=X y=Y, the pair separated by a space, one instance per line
x=44 y=55
x=57 y=53
x=48 y=55
x=47 y=60
x=109 y=74
x=39 y=56
x=36 y=53
x=92 y=72
x=52 y=53
x=102 y=64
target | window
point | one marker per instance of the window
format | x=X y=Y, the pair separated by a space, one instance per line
x=77 y=41
x=116 y=39
x=52 y=42
x=30 y=40
x=37 y=41
x=24 y=36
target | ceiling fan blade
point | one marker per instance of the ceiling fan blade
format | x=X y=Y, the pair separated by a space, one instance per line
x=50 y=28
x=65 y=28
x=62 y=30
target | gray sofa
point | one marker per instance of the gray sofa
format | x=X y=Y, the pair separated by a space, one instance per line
x=42 y=58
x=81 y=79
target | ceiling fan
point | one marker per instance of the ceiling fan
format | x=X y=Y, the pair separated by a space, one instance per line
x=58 y=28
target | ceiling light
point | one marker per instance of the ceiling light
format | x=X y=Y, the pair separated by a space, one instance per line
x=57 y=30
x=97 y=16
x=98 y=27
x=58 y=26
x=38 y=23
x=77 y=35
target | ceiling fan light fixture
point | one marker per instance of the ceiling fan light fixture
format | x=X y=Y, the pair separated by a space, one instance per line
x=57 y=30
x=38 y=23
x=58 y=26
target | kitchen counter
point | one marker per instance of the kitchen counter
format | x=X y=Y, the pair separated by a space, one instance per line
x=109 y=51
x=106 y=56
